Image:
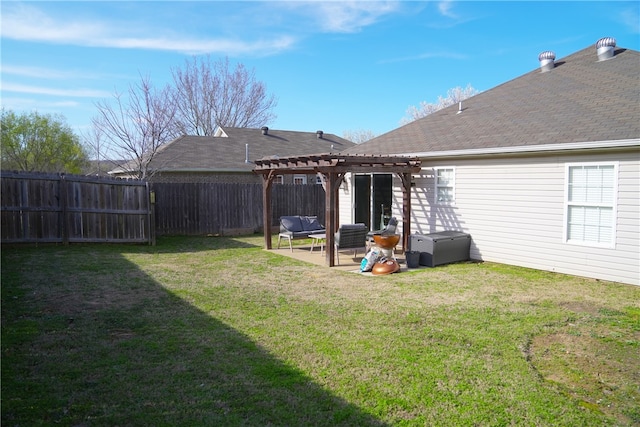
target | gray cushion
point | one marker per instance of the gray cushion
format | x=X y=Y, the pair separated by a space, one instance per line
x=310 y=223
x=291 y=223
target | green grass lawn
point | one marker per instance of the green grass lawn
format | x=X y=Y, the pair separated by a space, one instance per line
x=217 y=331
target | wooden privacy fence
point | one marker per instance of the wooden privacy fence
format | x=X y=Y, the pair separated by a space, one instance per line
x=58 y=208
x=52 y=208
x=227 y=208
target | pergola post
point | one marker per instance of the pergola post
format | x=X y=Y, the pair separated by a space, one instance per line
x=330 y=217
x=267 y=180
x=332 y=214
x=406 y=209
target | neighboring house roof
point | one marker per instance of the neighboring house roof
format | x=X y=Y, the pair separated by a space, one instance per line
x=235 y=149
x=101 y=167
x=580 y=103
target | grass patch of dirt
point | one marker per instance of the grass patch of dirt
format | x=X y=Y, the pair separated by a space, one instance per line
x=595 y=358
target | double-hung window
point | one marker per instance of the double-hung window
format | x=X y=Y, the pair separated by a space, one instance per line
x=591 y=190
x=445 y=184
x=299 y=179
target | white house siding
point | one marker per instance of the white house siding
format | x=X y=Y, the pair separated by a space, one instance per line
x=346 y=212
x=514 y=210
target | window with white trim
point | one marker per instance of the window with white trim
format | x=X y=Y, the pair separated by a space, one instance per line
x=445 y=184
x=278 y=179
x=299 y=179
x=591 y=190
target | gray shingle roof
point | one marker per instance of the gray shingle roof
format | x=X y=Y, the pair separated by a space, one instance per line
x=209 y=153
x=580 y=100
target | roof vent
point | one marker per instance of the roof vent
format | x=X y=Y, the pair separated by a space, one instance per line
x=547 y=59
x=319 y=134
x=265 y=130
x=604 y=48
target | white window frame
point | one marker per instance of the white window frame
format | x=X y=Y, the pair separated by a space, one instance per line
x=609 y=206
x=278 y=179
x=451 y=185
x=300 y=177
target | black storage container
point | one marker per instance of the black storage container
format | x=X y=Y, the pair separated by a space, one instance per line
x=441 y=248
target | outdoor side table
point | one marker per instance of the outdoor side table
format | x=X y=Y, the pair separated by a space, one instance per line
x=318 y=239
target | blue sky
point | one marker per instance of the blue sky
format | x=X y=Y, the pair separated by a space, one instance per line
x=333 y=66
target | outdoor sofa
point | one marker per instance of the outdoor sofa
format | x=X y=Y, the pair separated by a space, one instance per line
x=298 y=227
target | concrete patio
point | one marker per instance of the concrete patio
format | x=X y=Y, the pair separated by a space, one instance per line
x=348 y=262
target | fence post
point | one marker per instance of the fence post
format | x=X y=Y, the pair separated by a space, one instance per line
x=24 y=210
x=151 y=205
x=63 y=209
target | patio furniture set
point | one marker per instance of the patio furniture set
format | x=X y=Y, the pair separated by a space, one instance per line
x=349 y=236
x=424 y=250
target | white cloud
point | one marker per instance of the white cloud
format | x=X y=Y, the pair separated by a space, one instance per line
x=445 y=8
x=15 y=103
x=426 y=55
x=37 y=72
x=20 y=21
x=343 y=16
x=629 y=17
x=200 y=46
x=25 y=22
x=39 y=90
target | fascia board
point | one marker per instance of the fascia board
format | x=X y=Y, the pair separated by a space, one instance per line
x=625 y=143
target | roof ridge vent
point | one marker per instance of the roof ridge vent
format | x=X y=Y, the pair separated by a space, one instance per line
x=319 y=134
x=265 y=130
x=604 y=48
x=547 y=59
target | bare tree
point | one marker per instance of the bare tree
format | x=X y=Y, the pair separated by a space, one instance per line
x=100 y=163
x=359 y=135
x=454 y=96
x=135 y=128
x=209 y=94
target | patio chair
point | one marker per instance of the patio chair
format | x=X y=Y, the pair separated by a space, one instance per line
x=351 y=236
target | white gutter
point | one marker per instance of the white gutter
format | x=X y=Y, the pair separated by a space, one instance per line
x=527 y=148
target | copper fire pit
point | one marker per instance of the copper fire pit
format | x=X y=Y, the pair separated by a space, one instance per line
x=387 y=266
x=388 y=241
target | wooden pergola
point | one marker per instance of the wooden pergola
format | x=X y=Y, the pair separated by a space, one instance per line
x=333 y=168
